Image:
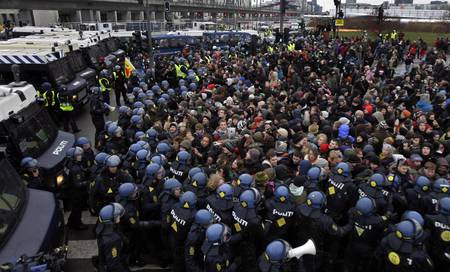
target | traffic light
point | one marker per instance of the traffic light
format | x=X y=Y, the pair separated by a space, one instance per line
x=166 y=6
x=341 y=14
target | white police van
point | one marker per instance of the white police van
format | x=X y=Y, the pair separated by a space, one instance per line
x=26 y=129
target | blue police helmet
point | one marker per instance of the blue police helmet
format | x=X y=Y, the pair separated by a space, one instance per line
x=281 y=193
x=46 y=86
x=73 y=152
x=136 y=90
x=152 y=169
x=199 y=180
x=245 y=180
x=171 y=92
x=143 y=144
x=408 y=229
x=250 y=198
x=181 y=82
x=413 y=215
x=128 y=191
x=124 y=109
x=165 y=84
x=316 y=199
x=184 y=94
x=141 y=96
x=117 y=68
x=138 y=104
x=28 y=162
x=113 y=161
x=138 y=111
x=188 y=200
x=159 y=159
x=225 y=191
x=82 y=141
x=110 y=213
x=134 y=148
x=444 y=206
x=193 y=86
x=104 y=73
x=183 y=89
x=218 y=233
x=171 y=184
x=194 y=171
x=165 y=96
x=441 y=185
x=163 y=148
x=314 y=173
x=161 y=101
x=377 y=181
x=343 y=169
x=183 y=157
x=130 y=98
x=156 y=89
x=139 y=135
x=365 y=205
x=150 y=94
x=100 y=158
x=108 y=124
x=152 y=133
x=277 y=251
x=136 y=119
x=423 y=183
x=203 y=217
x=142 y=155
x=142 y=84
x=148 y=103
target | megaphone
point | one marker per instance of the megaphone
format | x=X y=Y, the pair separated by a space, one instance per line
x=111 y=108
x=309 y=248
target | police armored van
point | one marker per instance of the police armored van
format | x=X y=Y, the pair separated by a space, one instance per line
x=38 y=65
x=26 y=129
x=31 y=221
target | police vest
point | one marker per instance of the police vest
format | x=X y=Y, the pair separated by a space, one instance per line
x=46 y=102
x=104 y=83
x=208 y=59
x=270 y=49
x=65 y=104
x=178 y=71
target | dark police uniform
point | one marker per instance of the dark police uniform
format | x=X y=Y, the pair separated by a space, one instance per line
x=279 y=219
x=77 y=191
x=111 y=249
x=193 y=256
x=220 y=208
x=97 y=110
x=383 y=199
x=439 y=242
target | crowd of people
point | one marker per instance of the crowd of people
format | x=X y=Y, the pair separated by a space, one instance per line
x=225 y=160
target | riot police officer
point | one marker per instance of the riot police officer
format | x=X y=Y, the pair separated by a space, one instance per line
x=248 y=223
x=131 y=224
x=220 y=204
x=96 y=169
x=119 y=84
x=124 y=117
x=151 y=188
x=315 y=223
x=368 y=227
x=418 y=197
x=77 y=190
x=135 y=125
x=280 y=212
x=181 y=218
x=313 y=179
x=88 y=153
x=440 y=189
x=111 y=242
x=31 y=174
x=197 y=185
x=105 y=85
x=217 y=249
x=179 y=169
x=244 y=182
x=192 y=247
x=108 y=182
x=399 y=252
x=97 y=110
x=341 y=193
x=115 y=143
x=374 y=189
x=67 y=109
x=439 y=225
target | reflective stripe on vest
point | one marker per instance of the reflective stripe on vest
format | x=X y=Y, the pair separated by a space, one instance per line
x=103 y=88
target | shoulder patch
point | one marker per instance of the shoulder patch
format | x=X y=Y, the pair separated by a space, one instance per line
x=394 y=258
x=445 y=236
x=114 y=252
x=191 y=251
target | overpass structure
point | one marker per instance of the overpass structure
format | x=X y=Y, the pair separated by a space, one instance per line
x=130 y=10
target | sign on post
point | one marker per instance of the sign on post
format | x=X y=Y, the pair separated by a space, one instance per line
x=339 y=22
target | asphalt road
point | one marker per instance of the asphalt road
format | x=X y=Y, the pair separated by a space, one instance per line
x=82 y=244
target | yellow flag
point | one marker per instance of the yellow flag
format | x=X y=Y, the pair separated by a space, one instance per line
x=129 y=68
